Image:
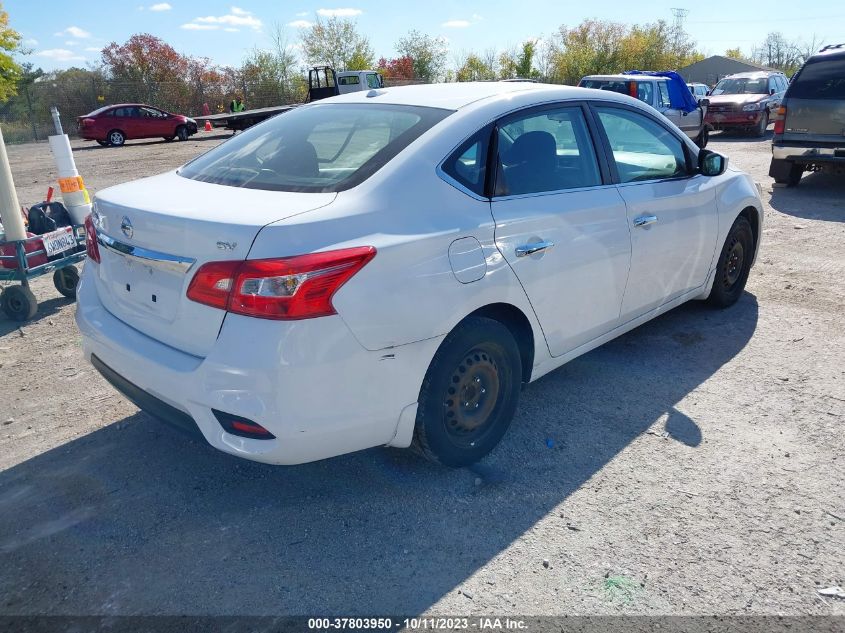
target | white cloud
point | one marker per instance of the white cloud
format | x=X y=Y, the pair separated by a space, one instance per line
x=30 y=42
x=74 y=31
x=60 y=55
x=456 y=24
x=161 y=6
x=93 y=49
x=302 y=14
x=339 y=13
x=71 y=43
x=232 y=30
x=476 y=17
x=301 y=24
x=199 y=27
x=238 y=17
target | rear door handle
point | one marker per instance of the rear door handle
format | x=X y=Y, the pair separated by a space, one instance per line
x=645 y=220
x=530 y=249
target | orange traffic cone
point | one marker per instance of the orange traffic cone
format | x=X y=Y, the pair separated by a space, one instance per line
x=208 y=126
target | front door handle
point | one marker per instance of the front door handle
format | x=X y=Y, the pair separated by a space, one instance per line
x=645 y=220
x=530 y=249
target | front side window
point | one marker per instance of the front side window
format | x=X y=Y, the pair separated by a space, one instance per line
x=373 y=81
x=549 y=150
x=642 y=148
x=315 y=148
x=663 y=91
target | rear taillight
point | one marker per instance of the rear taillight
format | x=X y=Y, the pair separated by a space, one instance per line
x=780 y=121
x=287 y=288
x=91 y=246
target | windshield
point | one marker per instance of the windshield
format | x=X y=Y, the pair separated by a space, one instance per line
x=315 y=148
x=742 y=86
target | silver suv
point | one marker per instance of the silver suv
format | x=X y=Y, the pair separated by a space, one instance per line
x=655 y=92
x=810 y=125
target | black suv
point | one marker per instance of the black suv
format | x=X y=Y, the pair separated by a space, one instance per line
x=810 y=128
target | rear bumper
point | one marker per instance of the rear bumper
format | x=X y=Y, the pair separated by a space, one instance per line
x=800 y=154
x=310 y=383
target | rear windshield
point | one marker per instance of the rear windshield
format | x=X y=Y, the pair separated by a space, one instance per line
x=97 y=111
x=315 y=148
x=822 y=79
x=742 y=85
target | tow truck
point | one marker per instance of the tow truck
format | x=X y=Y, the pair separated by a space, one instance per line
x=323 y=82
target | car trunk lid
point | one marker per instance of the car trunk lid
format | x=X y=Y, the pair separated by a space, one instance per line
x=156 y=232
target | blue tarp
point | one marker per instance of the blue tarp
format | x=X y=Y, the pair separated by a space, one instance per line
x=679 y=95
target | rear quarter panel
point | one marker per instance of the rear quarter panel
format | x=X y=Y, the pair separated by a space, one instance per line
x=408 y=292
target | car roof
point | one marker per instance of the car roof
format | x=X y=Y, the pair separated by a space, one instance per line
x=451 y=96
x=621 y=77
x=753 y=75
x=832 y=50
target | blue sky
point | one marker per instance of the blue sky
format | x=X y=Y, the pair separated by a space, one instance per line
x=72 y=32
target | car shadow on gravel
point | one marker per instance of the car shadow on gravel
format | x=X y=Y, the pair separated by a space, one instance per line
x=740 y=136
x=205 y=137
x=46 y=309
x=817 y=197
x=138 y=519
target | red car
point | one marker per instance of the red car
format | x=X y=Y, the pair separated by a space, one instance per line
x=115 y=124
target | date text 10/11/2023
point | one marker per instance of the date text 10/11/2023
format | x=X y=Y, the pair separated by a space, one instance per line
x=416 y=624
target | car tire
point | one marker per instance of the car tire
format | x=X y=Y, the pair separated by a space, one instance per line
x=116 y=138
x=182 y=133
x=702 y=139
x=793 y=177
x=763 y=126
x=103 y=143
x=65 y=280
x=734 y=265
x=469 y=394
x=18 y=303
x=168 y=138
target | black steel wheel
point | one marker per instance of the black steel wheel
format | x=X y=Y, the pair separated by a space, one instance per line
x=469 y=394
x=65 y=280
x=734 y=264
x=18 y=303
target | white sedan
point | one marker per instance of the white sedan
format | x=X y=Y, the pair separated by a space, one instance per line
x=388 y=267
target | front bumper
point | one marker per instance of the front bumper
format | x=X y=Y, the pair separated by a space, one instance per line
x=719 y=120
x=310 y=383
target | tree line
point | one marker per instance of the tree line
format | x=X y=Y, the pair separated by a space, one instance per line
x=147 y=69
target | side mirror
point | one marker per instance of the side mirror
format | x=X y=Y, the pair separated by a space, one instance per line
x=704 y=102
x=711 y=164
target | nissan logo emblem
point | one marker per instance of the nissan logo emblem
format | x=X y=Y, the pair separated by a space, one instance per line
x=126 y=227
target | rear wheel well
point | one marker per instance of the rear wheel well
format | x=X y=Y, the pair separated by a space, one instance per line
x=750 y=214
x=520 y=327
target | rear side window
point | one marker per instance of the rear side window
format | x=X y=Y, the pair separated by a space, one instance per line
x=316 y=148
x=822 y=79
x=544 y=151
x=349 y=80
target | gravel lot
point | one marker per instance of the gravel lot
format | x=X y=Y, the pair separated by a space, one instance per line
x=696 y=465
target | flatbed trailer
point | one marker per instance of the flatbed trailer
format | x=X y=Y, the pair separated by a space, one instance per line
x=236 y=121
x=323 y=82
